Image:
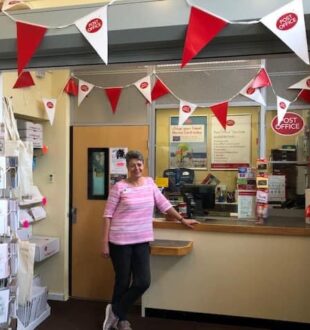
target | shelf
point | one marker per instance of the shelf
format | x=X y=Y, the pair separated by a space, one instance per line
x=303 y=163
x=165 y=247
x=27 y=202
x=226 y=203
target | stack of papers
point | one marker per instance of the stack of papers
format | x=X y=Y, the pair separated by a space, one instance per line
x=33 y=309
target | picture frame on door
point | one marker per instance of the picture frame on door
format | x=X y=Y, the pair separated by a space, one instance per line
x=98 y=173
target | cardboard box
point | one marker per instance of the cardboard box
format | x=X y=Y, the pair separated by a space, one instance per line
x=45 y=247
x=28 y=125
x=29 y=133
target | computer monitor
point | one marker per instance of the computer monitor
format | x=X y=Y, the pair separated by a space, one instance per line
x=199 y=197
x=178 y=176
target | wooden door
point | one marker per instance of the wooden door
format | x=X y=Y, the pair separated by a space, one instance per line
x=91 y=275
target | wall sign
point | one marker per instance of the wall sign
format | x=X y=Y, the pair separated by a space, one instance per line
x=188 y=143
x=291 y=124
x=118 y=168
x=231 y=148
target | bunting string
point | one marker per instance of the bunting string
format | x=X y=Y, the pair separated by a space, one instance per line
x=74 y=86
x=287 y=23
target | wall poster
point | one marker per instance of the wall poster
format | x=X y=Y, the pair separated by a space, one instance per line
x=188 y=143
x=118 y=168
x=231 y=149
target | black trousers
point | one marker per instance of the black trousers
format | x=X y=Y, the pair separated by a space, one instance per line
x=131 y=265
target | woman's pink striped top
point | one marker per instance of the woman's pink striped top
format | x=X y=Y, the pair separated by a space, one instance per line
x=131 y=211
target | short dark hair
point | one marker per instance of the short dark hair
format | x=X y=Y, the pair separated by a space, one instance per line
x=134 y=154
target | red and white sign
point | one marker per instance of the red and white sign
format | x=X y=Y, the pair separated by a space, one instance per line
x=144 y=87
x=186 y=109
x=291 y=124
x=50 y=107
x=94 y=27
x=84 y=89
x=288 y=23
x=282 y=107
x=302 y=84
x=252 y=93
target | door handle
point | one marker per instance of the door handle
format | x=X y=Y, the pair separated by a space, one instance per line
x=73 y=215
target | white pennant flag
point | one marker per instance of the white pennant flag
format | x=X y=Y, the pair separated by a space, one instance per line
x=14 y=5
x=185 y=111
x=282 y=106
x=94 y=27
x=84 y=89
x=144 y=86
x=302 y=84
x=50 y=107
x=288 y=23
x=252 y=93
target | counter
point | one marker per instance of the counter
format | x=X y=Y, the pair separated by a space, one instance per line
x=235 y=268
x=273 y=226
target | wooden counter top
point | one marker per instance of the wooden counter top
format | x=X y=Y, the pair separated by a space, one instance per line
x=272 y=226
x=165 y=247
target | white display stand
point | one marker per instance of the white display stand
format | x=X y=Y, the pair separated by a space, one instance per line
x=36 y=322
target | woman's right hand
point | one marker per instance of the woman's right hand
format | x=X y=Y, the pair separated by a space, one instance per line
x=105 y=251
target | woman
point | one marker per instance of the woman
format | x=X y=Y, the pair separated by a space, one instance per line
x=127 y=231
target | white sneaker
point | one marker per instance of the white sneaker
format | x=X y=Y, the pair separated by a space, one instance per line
x=110 y=320
x=124 y=325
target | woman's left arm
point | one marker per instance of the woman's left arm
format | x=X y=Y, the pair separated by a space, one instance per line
x=172 y=212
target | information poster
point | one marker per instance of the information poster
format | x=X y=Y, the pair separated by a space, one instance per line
x=188 y=143
x=231 y=149
x=118 y=169
x=246 y=204
x=276 y=188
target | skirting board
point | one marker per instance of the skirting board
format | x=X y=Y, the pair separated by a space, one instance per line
x=56 y=296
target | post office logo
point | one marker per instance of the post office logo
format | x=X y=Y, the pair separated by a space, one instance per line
x=94 y=25
x=144 y=85
x=186 y=108
x=50 y=105
x=287 y=21
x=291 y=124
x=84 y=88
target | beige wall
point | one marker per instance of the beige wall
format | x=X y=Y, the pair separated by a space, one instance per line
x=260 y=276
x=28 y=102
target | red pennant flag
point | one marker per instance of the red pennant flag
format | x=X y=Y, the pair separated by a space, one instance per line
x=29 y=38
x=159 y=89
x=113 y=95
x=261 y=80
x=72 y=87
x=202 y=28
x=305 y=95
x=220 y=112
x=24 y=80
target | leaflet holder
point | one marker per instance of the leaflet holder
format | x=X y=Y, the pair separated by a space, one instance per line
x=177 y=177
